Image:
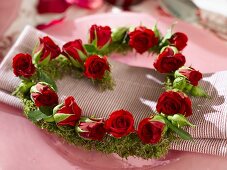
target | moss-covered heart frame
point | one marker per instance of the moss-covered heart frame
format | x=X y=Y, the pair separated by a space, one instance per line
x=116 y=134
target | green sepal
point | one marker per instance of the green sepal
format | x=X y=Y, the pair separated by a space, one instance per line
x=24 y=87
x=119 y=34
x=58 y=117
x=160 y=118
x=90 y=48
x=182 y=133
x=33 y=89
x=175 y=50
x=180 y=83
x=83 y=57
x=45 y=78
x=156 y=30
x=198 y=92
x=56 y=108
x=49 y=119
x=75 y=63
x=168 y=35
x=179 y=120
x=104 y=50
x=79 y=130
x=45 y=61
x=36 y=57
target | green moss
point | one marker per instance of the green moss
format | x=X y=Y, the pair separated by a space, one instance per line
x=127 y=146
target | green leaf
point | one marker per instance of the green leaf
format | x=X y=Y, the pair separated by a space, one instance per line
x=119 y=34
x=45 y=78
x=36 y=115
x=46 y=110
x=90 y=48
x=182 y=133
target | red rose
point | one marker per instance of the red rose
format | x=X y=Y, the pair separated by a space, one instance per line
x=150 y=131
x=168 y=62
x=67 y=113
x=46 y=48
x=71 y=49
x=120 y=123
x=192 y=75
x=103 y=35
x=179 y=40
x=95 y=67
x=22 y=65
x=171 y=102
x=43 y=95
x=142 y=39
x=91 y=128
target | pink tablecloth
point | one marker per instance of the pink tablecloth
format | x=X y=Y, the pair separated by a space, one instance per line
x=23 y=146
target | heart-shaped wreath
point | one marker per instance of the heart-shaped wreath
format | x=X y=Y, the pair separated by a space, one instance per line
x=117 y=133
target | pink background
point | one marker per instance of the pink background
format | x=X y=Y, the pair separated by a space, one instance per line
x=23 y=146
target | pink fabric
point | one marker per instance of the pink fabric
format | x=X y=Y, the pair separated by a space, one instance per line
x=26 y=147
x=10 y=9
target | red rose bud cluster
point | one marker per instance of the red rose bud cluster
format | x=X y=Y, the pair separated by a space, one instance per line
x=120 y=123
x=150 y=131
x=23 y=66
x=142 y=39
x=95 y=67
x=100 y=36
x=192 y=75
x=179 y=40
x=46 y=50
x=42 y=94
x=91 y=128
x=75 y=51
x=169 y=60
x=67 y=113
x=173 y=102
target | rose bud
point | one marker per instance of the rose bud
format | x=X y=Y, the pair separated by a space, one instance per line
x=142 y=39
x=100 y=35
x=67 y=113
x=91 y=128
x=46 y=50
x=95 y=67
x=190 y=73
x=174 y=102
x=75 y=51
x=179 y=40
x=120 y=123
x=150 y=131
x=169 y=60
x=22 y=65
x=42 y=94
x=180 y=83
x=179 y=120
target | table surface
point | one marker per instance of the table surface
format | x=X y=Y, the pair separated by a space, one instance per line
x=23 y=146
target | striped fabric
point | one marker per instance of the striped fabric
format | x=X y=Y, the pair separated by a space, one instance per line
x=137 y=90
